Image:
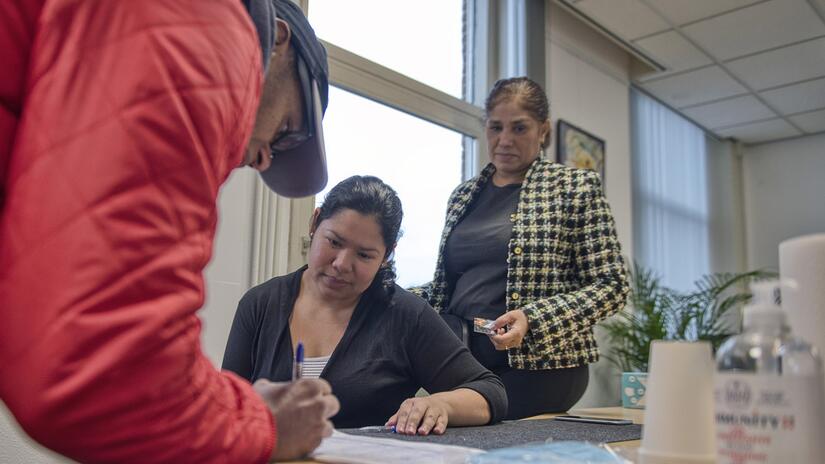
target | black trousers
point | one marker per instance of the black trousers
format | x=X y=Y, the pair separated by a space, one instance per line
x=530 y=393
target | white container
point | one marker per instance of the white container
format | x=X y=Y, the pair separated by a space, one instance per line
x=679 y=415
x=769 y=390
x=802 y=261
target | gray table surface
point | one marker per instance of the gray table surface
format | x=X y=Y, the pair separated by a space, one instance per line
x=515 y=433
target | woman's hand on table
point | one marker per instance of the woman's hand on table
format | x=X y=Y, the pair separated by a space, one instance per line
x=421 y=416
x=511 y=327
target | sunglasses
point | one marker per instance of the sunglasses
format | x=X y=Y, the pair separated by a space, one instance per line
x=289 y=140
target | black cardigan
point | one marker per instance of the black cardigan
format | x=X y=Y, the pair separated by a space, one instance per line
x=386 y=353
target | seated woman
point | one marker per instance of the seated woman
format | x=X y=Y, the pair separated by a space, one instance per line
x=374 y=342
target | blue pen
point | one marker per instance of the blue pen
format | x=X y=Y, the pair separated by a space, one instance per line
x=298 y=365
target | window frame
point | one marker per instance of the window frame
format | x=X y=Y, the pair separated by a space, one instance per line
x=279 y=221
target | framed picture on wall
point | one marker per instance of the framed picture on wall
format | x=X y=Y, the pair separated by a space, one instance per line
x=578 y=148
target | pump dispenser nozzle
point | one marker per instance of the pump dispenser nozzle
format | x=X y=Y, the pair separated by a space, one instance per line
x=765 y=308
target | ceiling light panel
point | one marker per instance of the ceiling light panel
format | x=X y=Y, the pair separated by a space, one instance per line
x=629 y=19
x=674 y=51
x=811 y=123
x=730 y=112
x=694 y=87
x=755 y=28
x=797 y=98
x=782 y=66
x=681 y=12
x=761 y=131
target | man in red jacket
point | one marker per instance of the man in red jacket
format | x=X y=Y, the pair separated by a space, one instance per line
x=119 y=121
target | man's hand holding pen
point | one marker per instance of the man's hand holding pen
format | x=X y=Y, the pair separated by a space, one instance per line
x=301 y=409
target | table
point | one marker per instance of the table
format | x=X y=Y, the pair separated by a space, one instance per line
x=628 y=448
x=615 y=412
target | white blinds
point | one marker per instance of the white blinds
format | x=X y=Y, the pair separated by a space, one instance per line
x=670 y=193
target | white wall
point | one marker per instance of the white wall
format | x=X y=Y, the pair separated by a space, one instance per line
x=227 y=278
x=589 y=86
x=726 y=211
x=784 y=185
x=17 y=448
x=228 y=274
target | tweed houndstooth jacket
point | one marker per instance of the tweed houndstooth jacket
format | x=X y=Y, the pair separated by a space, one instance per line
x=564 y=268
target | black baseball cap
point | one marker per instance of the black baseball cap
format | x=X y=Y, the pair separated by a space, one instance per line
x=301 y=170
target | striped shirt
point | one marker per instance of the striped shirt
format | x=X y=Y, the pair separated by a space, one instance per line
x=313 y=367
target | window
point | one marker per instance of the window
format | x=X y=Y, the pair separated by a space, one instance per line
x=400 y=109
x=407 y=80
x=420 y=39
x=418 y=159
x=671 y=220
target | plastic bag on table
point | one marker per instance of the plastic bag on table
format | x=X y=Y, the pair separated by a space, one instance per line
x=579 y=452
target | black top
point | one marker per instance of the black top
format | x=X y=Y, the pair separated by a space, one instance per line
x=475 y=256
x=386 y=354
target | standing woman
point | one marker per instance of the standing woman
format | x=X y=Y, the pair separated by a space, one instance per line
x=531 y=244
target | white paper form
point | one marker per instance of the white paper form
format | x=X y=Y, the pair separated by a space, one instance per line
x=342 y=448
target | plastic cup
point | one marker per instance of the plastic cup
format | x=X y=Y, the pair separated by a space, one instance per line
x=678 y=423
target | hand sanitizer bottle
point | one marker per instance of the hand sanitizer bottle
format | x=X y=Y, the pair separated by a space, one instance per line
x=770 y=401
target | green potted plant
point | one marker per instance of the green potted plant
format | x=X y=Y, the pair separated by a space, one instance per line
x=655 y=312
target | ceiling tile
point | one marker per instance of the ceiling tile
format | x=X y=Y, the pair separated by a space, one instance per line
x=812 y=122
x=729 y=112
x=782 y=66
x=758 y=27
x=674 y=51
x=629 y=19
x=694 y=87
x=797 y=98
x=681 y=12
x=760 y=131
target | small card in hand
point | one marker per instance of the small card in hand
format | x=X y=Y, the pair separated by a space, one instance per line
x=485 y=326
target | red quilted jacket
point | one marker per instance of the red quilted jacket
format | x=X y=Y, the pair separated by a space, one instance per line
x=119 y=121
